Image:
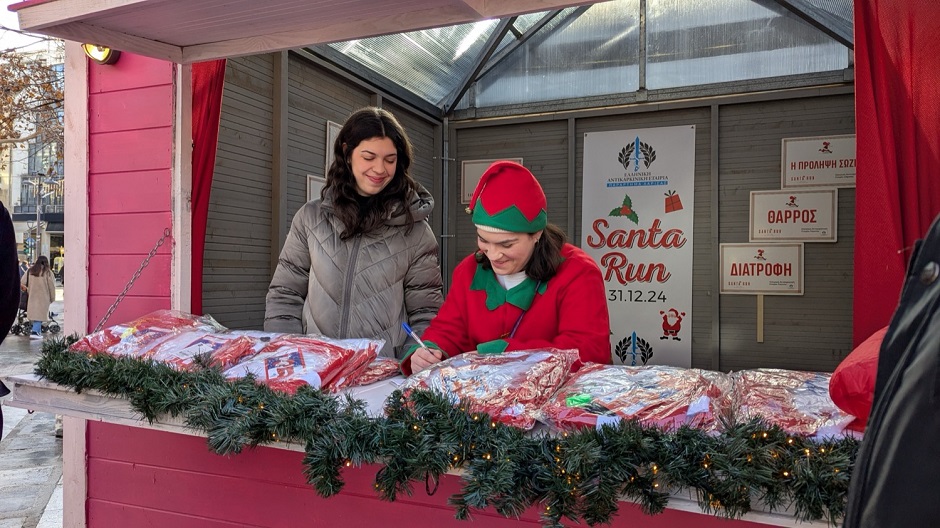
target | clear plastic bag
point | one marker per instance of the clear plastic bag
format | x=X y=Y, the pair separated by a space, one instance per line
x=797 y=401
x=510 y=387
x=660 y=396
x=137 y=337
x=381 y=368
x=291 y=361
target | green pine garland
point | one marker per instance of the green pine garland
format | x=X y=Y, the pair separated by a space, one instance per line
x=579 y=476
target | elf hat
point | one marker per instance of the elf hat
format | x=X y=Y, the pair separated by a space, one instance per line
x=508 y=199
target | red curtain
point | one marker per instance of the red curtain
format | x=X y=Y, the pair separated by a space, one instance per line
x=208 y=80
x=897 y=99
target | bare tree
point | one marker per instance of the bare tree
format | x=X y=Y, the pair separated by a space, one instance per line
x=31 y=94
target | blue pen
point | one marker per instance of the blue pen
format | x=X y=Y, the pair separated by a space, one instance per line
x=413 y=335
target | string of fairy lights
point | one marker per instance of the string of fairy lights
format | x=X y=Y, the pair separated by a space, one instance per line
x=579 y=475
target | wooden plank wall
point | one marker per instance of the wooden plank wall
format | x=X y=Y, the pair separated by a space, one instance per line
x=812 y=332
x=141 y=477
x=238 y=231
x=130 y=163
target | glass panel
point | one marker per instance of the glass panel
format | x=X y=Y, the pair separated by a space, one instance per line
x=429 y=63
x=595 y=53
x=710 y=41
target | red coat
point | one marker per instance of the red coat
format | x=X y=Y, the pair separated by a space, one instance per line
x=569 y=311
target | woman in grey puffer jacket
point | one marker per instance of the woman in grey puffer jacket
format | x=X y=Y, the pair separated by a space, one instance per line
x=362 y=259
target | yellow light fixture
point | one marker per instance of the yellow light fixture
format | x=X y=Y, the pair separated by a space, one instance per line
x=101 y=54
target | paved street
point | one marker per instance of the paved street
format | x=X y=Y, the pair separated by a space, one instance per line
x=30 y=453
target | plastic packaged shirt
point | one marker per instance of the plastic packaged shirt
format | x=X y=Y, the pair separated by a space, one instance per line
x=221 y=349
x=797 y=401
x=381 y=368
x=662 y=396
x=510 y=387
x=137 y=337
x=291 y=361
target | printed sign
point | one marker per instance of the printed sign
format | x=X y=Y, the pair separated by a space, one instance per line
x=821 y=161
x=769 y=269
x=470 y=173
x=789 y=215
x=637 y=225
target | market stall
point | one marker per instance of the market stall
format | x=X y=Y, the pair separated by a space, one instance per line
x=173 y=431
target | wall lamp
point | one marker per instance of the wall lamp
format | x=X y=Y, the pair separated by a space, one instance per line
x=101 y=54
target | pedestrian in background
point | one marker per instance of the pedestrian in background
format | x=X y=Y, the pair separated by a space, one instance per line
x=362 y=258
x=40 y=285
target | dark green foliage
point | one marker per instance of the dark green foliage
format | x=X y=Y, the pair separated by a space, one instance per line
x=581 y=476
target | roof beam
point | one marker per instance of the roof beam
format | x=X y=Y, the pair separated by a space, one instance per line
x=822 y=20
x=495 y=38
x=330 y=58
x=542 y=22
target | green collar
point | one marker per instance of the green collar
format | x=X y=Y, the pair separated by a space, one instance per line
x=520 y=296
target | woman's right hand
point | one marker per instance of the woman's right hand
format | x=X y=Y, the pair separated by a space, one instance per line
x=423 y=358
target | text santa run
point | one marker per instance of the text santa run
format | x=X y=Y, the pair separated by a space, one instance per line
x=615 y=265
x=756 y=269
x=794 y=216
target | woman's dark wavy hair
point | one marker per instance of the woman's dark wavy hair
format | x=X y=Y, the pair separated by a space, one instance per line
x=369 y=123
x=41 y=267
x=545 y=259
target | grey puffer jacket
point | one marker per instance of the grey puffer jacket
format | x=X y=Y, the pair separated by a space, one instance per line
x=365 y=286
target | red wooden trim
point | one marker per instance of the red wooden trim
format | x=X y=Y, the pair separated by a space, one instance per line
x=152 y=476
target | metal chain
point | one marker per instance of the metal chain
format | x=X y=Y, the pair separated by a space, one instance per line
x=120 y=297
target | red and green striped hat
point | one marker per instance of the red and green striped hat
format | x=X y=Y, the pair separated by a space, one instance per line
x=508 y=199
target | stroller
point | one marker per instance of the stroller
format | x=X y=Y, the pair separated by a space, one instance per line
x=23 y=326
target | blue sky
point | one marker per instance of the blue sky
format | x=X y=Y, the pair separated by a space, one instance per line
x=10 y=39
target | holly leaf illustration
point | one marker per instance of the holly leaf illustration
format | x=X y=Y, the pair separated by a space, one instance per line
x=634 y=218
x=615 y=212
x=627 y=201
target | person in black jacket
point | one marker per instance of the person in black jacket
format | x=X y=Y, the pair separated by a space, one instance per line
x=898 y=469
x=9 y=283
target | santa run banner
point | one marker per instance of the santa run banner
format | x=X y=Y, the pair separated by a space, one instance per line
x=637 y=225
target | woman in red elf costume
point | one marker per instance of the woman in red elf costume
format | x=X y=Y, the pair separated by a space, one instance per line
x=525 y=287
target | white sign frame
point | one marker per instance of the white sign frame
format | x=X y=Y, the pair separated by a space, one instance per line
x=332 y=132
x=780 y=254
x=807 y=215
x=470 y=173
x=818 y=161
x=638 y=224
x=314 y=185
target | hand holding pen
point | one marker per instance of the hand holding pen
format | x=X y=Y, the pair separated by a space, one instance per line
x=423 y=357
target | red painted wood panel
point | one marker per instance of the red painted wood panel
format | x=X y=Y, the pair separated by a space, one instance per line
x=129 y=233
x=147 y=107
x=103 y=513
x=154 y=474
x=131 y=71
x=130 y=150
x=135 y=192
x=130 y=161
x=130 y=308
x=110 y=274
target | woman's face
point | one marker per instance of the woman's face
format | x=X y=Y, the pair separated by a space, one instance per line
x=508 y=252
x=373 y=163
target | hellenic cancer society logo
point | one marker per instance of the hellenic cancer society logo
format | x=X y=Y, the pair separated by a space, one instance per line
x=636 y=152
x=631 y=157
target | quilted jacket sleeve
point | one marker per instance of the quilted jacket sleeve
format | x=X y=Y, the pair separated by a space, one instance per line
x=423 y=284
x=283 y=309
